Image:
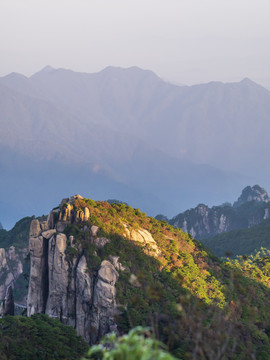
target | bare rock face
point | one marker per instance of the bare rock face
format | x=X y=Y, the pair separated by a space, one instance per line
x=254 y=193
x=84 y=295
x=101 y=242
x=94 y=230
x=144 y=237
x=104 y=302
x=58 y=278
x=8 y=304
x=48 y=234
x=37 y=292
x=10 y=268
x=61 y=284
x=35 y=228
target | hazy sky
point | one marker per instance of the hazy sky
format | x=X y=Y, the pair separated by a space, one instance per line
x=186 y=41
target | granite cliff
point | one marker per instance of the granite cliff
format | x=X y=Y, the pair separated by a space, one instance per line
x=14 y=265
x=63 y=282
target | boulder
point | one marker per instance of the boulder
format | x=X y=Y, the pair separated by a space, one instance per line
x=48 y=234
x=35 y=228
x=94 y=230
x=101 y=242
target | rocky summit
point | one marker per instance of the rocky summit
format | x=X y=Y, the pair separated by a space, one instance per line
x=254 y=193
x=61 y=284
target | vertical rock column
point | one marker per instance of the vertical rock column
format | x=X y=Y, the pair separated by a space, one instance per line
x=36 y=299
x=104 y=302
x=57 y=304
x=83 y=299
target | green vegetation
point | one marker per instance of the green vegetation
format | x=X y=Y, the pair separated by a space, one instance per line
x=18 y=236
x=241 y=242
x=136 y=345
x=199 y=306
x=38 y=338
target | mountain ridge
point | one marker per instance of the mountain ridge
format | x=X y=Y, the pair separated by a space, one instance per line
x=129 y=125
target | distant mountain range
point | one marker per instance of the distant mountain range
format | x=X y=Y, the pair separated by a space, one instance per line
x=127 y=134
x=251 y=208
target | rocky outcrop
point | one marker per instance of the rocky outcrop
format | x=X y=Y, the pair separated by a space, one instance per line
x=84 y=292
x=104 y=302
x=38 y=288
x=58 y=268
x=143 y=237
x=61 y=283
x=11 y=267
x=254 y=193
x=8 y=303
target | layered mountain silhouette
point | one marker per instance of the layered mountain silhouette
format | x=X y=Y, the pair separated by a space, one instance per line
x=127 y=134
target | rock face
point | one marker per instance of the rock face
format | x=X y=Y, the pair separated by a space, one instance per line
x=61 y=284
x=144 y=237
x=251 y=208
x=254 y=193
x=10 y=268
x=104 y=302
x=8 y=303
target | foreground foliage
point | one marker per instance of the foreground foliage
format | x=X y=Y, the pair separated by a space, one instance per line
x=136 y=345
x=38 y=338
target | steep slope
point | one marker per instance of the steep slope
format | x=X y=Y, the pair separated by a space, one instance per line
x=101 y=267
x=251 y=208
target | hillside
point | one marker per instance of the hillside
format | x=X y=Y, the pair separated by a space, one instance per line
x=242 y=241
x=38 y=337
x=126 y=269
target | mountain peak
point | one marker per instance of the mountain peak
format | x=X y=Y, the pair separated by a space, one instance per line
x=247 y=80
x=47 y=69
x=254 y=193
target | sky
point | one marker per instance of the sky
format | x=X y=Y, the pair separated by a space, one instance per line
x=182 y=41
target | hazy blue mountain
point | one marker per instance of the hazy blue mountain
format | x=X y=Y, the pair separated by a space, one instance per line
x=128 y=134
x=223 y=125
